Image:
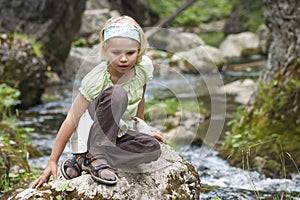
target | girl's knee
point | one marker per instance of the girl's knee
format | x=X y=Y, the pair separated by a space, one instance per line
x=118 y=90
x=155 y=145
x=118 y=93
x=156 y=150
x=115 y=93
x=119 y=97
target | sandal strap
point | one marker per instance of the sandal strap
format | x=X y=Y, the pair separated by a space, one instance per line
x=101 y=167
x=70 y=163
x=89 y=160
x=73 y=163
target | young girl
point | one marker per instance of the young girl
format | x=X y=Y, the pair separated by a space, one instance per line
x=110 y=96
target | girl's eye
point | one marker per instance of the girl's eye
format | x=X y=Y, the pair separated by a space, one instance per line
x=120 y=52
x=130 y=52
x=117 y=52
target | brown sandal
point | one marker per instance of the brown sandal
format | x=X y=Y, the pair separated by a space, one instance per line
x=74 y=164
x=95 y=171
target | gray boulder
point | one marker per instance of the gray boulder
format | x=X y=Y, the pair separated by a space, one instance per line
x=21 y=67
x=200 y=59
x=92 y=22
x=233 y=45
x=80 y=61
x=170 y=177
x=51 y=22
x=183 y=41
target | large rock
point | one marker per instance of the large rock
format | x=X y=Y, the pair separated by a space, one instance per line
x=80 y=61
x=172 y=40
x=234 y=44
x=170 y=177
x=200 y=59
x=22 y=68
x=183 y=41
x=92 y=22
x=244 y=90
x=53 y=23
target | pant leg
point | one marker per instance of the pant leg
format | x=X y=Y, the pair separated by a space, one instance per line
x=131 y=149
x=109 y=107
x=134 y=148
x=137 y=142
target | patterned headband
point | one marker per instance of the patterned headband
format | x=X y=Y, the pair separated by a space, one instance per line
x=122 y=30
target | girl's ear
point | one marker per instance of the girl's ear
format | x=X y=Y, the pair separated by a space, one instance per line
x=104 y=46
x=104 y=50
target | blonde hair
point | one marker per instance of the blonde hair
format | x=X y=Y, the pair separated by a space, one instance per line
x=126 y=20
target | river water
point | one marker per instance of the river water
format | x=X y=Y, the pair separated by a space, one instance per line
x=219 y=179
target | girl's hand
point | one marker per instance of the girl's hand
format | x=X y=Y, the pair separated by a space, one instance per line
x=51 y=169
x=159 y=137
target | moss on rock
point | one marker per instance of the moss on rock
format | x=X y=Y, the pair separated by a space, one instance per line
x=180 y=186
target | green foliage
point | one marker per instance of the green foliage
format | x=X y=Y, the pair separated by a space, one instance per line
x=17 y=182
x=200 y=12
x=171 y=144
x=9 y=97
x=80 y=42
x=92 y=1
x=270 y=126
x=157 y=108
x=250 y=13
x=266 y=120
x=14 y=143
x=63 y=188
x=171 y=106
x=37 y=46
x=21 y=175
x=213 y=38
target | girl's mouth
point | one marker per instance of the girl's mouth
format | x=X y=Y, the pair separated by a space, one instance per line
x=123 y=66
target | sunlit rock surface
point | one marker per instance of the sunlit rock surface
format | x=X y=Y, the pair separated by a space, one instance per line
x=170 y=177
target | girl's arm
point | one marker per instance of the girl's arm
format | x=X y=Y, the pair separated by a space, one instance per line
x=140 y=114
x=67 y=128
x=141 y=106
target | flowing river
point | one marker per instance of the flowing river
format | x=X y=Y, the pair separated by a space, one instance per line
x=219 y=179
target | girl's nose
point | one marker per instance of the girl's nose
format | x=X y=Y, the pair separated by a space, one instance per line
x=123 y=58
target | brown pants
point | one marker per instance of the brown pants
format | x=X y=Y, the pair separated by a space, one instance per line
x=130 y=149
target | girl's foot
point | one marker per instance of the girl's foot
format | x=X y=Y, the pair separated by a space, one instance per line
x=72 y=168
x=99 y=169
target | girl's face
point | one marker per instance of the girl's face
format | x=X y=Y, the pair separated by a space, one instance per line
x=122 y=54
